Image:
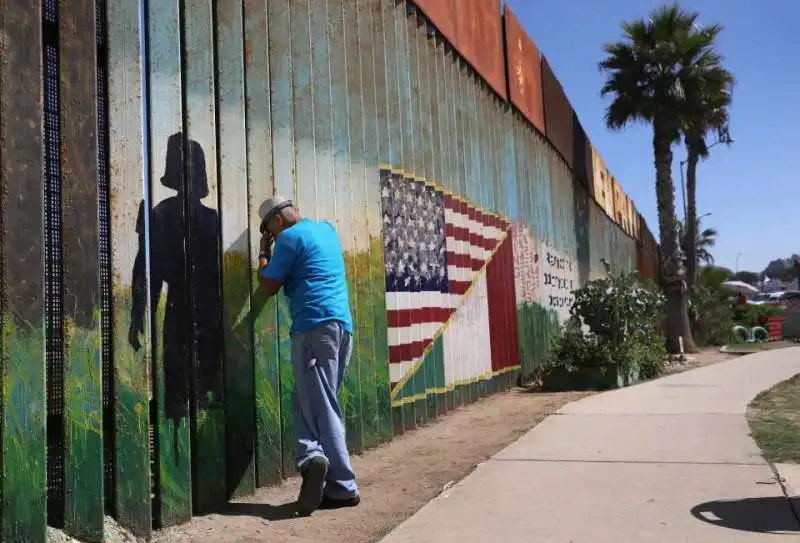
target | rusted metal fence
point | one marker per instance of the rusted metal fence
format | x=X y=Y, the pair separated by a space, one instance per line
x=144 y=376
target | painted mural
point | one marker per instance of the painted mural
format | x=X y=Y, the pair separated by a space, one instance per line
x=152 y=380
x=545 y=278
x=438 y=251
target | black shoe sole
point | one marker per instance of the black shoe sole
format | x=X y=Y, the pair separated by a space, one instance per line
x=313 y=484
x=329 y=503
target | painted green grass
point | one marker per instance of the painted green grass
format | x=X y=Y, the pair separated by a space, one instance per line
x=371 y=352
x=83 y=419
x=381 y=422
x=254 y=372
x=132 y=387
x=353 y=397
x=24 y=471
x=174 y=469
x=286 y=386
x=132 y=422
x=365 y=344
x=239 y=375
x=537 y=327
x=267 y=387
x=209 y=477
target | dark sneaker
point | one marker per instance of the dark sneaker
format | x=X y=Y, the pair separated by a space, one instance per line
x=313 y=474
x=330 y=503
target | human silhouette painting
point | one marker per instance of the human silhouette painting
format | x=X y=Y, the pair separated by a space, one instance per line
x=184 y=261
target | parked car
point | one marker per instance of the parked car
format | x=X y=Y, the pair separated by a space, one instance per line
x=765 y=298
x=789 y=299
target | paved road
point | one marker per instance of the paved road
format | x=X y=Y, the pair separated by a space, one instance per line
x=667 y=461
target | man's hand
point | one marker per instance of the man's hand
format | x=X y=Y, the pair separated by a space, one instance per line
x=266 y=246
x=269 y=287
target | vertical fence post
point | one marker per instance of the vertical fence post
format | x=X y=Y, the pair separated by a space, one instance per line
x=377 y=154
x=370 y=194
x=261 y=185
x=202 y=213
x=164 y=219
x=238 y=347
x=131 y=323
x=283 y=152
x=23 y=437
x=358 y=384
x=83 y=392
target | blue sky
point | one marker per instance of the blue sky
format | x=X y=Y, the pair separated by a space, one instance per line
x=751 y=189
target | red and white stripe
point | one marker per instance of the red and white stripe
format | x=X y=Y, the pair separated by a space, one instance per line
x=415 y=318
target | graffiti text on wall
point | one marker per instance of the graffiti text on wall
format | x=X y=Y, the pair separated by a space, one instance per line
x=559 y=279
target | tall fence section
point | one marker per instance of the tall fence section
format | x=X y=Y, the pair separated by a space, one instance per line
x=143 y=375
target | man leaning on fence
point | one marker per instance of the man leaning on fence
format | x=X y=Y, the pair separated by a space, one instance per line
x=308 y=262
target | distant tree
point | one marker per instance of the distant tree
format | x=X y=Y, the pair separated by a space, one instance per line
x=713 y=276
x=785 y=269
x=706 y=239
x=751 y=278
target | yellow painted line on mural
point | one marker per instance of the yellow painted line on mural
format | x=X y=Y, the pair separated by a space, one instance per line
x=418 y=362
x=451 y=387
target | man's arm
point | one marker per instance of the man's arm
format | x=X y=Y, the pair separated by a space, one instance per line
x=272 y=272
x=268 y=286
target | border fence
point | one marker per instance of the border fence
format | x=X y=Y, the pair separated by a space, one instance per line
x=143 y=375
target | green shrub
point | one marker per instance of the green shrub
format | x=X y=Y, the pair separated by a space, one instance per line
x=651 y=353
x=756 y=315
x=614 y=322
x=712 y=316
x=571 y=348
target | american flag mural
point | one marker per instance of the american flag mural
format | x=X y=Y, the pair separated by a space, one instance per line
x=436 y=250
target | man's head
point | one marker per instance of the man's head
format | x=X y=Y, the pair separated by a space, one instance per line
x=277 y=214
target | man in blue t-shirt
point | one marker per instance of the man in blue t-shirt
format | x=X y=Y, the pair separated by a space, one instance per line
x=308 y=262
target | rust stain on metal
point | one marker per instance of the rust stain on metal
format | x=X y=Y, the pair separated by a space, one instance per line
x=479 y=39
x=557 y=113
x=442 y=13
x=524 y=63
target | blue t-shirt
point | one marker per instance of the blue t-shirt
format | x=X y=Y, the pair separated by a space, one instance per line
x=309 y=261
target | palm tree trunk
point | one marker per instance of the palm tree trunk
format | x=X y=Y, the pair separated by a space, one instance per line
x=672 y=273
x=691 y=219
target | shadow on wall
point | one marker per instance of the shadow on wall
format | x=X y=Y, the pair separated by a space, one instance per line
x=770 y=515
x=185 y=259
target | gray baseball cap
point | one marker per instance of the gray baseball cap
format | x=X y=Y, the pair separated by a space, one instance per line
x=271 y=207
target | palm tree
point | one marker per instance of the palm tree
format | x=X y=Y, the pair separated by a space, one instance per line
x=705 y=239
x=707 y=112
x=649 y=72
x=704 y=242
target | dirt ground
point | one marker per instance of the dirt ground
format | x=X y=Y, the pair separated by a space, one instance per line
x=398 y=478
x=395 y=480
x=705 y=357
x=712 y=355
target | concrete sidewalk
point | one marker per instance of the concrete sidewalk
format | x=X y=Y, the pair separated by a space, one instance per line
x=667 y=461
